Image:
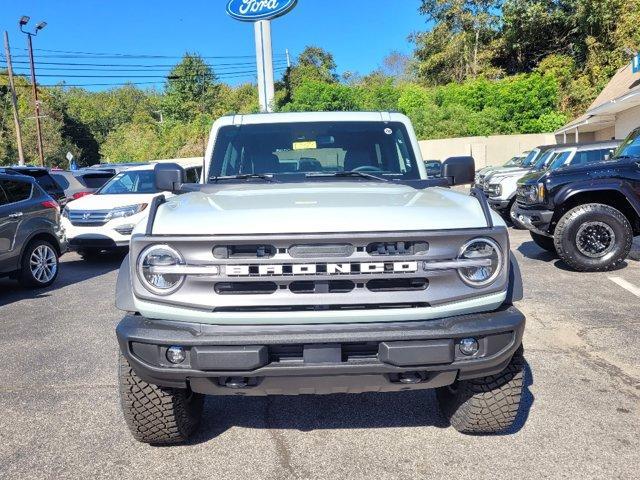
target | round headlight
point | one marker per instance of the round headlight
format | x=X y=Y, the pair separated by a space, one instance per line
x=488 y=253
x=150 y=265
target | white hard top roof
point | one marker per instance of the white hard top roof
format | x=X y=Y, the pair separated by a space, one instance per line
x=257 y=118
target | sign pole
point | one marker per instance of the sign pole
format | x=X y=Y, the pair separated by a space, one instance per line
x=264 y=61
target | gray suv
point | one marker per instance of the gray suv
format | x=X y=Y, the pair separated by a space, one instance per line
x=31 y=240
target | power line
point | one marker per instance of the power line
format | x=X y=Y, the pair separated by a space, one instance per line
x=79 y=54
x=229 y=66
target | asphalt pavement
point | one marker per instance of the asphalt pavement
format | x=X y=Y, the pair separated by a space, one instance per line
x=60 y=416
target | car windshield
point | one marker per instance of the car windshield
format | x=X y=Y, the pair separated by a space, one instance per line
x=543 y=160
x=630 y=147
x=293 y=150
x=559 y=160
x=136 y=181
x=531 y=156
x=514 y=162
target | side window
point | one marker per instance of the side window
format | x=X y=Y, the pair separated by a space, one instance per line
x=16 y=191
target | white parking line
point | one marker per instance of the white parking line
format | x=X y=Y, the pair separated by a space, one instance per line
x=630 y=287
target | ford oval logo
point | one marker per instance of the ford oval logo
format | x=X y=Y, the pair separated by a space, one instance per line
x=254 y=10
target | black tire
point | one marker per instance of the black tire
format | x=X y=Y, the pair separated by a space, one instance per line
x=30 y=279
x=573 y=229
x=485 y=405
x=157 y=415
x=512 y=216
x=546 y=243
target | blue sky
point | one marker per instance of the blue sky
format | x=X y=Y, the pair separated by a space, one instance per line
x=360 y=33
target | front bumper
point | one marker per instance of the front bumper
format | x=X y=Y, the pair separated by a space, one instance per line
x=336 y=358
x=498 y=203
x=538 y=221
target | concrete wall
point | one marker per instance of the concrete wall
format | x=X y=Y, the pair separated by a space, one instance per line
x=493 y=150
x=627 y=121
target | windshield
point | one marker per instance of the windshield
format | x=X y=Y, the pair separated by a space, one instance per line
x=136 y=181
x=514 y=162
x=630 y=147
x=531 y=156
x=543 y=160
x=559 y=160
x=292 y=150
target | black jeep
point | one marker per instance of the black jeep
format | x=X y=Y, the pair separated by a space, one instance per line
x=589 y=213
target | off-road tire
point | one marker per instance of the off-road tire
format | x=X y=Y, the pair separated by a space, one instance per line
x=157 y=415
x=565 y=237
x=511 y=214
x=485 y=405
x=24 y=276
x=546 y=243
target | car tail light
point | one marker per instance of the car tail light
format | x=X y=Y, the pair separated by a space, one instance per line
x=78 y=195
x=50 y=204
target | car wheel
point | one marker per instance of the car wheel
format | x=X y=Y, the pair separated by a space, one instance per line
x=39 y=265
x=157 y=415
x=593 y=237
x=485 y=405
x=546 y=243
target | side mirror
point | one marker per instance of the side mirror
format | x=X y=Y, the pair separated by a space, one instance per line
x=169 y=177
x=459 y=170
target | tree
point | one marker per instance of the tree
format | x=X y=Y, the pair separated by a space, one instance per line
x=313 y=65
x=191 y=88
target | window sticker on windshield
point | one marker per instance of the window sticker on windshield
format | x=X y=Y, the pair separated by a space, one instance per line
x=388 y=131
x=305 y=145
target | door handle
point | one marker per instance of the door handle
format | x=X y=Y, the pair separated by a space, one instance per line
x=15 y=215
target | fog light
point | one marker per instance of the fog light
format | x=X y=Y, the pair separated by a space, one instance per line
x=176 y=354
x=468 y=346
x=125 y=230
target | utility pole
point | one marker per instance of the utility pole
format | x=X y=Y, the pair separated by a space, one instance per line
x=39 y=26
x=14 y=99
x=288 y=58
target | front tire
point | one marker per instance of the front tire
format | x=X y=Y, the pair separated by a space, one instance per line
x=546 y=243
x=39 y=265
x=485 y=405
x=157 y=415
x=593 y=237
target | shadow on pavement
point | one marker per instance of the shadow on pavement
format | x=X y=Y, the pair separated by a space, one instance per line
x=325 y=412
x=72 y=270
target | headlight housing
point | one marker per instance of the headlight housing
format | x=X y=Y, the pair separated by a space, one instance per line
x=128 y=211
x=489 y=255
x=532 y=193
x=159 y=256
x=494 y=190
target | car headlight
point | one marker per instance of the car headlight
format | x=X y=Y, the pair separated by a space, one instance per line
x=494 y=190
x=150 y=264
x=128 y=211
x=532 y=193
x=488 y=257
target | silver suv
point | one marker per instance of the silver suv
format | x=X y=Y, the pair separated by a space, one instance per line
x=316 y=257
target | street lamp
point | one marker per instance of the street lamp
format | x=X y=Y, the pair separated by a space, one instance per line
x=39 y=26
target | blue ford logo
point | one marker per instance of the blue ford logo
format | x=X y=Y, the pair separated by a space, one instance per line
x=254 y=10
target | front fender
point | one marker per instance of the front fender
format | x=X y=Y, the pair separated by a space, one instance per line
x=124 y=289
x=599 y=185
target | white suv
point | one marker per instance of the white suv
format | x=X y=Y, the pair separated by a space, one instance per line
x=105 y=220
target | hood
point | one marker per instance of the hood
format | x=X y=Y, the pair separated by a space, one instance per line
x=317 y=208
x=107 y=202
x=533 y=178
x=504 y=173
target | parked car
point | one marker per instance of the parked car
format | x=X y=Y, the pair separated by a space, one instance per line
x=588 y=213
x=31 y=240
x=527 y=162
x=317 y=257
x=115 y=168
x=43 y=178
x=434 y=168
x=105 y=219
x=77 y=184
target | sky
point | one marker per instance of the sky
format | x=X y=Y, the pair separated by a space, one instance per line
x=359 y=33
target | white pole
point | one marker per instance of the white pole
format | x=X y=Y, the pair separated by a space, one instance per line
x=264 y=61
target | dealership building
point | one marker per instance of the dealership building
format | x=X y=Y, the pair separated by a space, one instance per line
x=614 y=114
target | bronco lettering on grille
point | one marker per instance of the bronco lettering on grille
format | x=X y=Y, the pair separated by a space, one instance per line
x=321 y=269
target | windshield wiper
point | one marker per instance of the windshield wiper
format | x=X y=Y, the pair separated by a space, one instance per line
x=243 y=176
x=347 y=174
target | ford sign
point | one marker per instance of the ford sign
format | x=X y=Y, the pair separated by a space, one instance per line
x=254 y=10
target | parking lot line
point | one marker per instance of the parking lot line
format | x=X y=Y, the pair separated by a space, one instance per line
x=630 y=287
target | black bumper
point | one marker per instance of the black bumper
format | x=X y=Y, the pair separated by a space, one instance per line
x=337 y=358
x=499 y=205
x=536 y=220
x=79 y=243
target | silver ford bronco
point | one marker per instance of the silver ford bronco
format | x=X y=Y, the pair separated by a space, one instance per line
x=316 y=257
